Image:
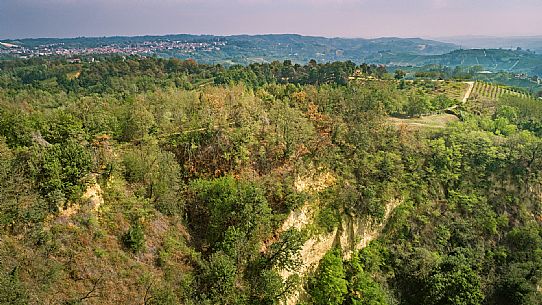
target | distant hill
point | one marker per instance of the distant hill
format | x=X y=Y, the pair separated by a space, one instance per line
x=303 y=48
x=533 y=43
x=493 y=60
x=246 y=49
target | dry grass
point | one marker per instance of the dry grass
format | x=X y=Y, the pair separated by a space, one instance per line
x=73 y=75
x=431 y=121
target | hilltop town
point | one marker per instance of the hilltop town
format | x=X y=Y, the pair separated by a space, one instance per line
x=150 y=47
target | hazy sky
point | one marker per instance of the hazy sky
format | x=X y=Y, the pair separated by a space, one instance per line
x=344 y=18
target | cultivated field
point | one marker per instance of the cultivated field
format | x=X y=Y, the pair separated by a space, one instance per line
x=491 y=91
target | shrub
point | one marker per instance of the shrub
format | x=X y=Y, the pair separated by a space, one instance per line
x=329 y=286
x=134 y=239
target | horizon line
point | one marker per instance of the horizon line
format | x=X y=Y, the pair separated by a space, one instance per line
x=436 y=38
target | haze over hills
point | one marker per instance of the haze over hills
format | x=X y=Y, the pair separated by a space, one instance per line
x=533 y=43
x=247 y=49
x=490 y=60
x=242 y=49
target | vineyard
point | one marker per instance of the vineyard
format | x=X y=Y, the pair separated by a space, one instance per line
x=491 y=91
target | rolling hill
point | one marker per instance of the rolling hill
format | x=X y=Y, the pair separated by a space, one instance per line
x=245 y=49
x=493 y=60
x=533 y=43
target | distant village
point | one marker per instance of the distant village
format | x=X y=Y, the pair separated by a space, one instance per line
x=74 y=51
x=143 y=48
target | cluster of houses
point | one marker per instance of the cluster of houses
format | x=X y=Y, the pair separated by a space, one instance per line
x=146 y=47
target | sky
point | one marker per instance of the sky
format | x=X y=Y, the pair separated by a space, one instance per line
x=330 y=18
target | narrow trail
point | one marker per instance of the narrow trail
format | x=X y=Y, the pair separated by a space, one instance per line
x=517 y=62
x=466 y=96
x=468 y=93
x=434 y=121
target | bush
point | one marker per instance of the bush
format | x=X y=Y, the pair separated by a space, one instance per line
x=11 y=290
x=134 y=239
x=227 y=202
x=328 y=218
x=58 y=171
x=417 y=105
x=158 y=174
x=329 y=286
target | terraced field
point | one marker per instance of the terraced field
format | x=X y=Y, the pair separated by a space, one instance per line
x=483 y=90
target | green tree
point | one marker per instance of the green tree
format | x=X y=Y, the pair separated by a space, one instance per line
x=158 y=174
x=227 y=202
x=221 y=276
x=329 y=286
x=362 y=289
x=134 y=239
x=59 y=171
x=417 y=105
x=62 y=127
x=453 y=282
x=15 y=126
x=270 y=288
x=138 y=123
x=284 y=253
x=399 y=74
x=12 y=291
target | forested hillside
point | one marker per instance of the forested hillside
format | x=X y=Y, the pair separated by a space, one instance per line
x=153 y=181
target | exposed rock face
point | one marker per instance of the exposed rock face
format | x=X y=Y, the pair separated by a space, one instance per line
x=94 y=195
x=354 y=233
x=92 y=198
x=311 y=253
x=315 y=184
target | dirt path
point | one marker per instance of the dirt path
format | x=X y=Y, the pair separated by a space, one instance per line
x=435 y=120
x=468 y=93
x=465 y=97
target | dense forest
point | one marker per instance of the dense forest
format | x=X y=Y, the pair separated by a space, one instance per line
x=161 y=181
